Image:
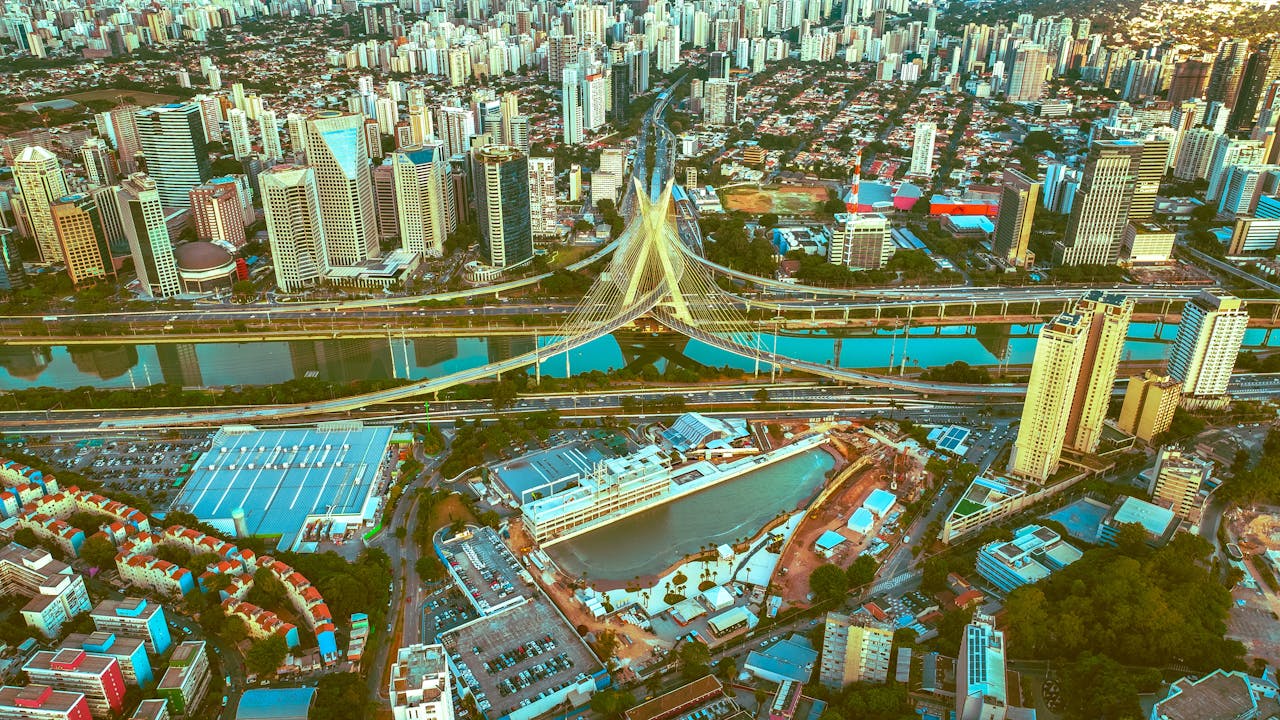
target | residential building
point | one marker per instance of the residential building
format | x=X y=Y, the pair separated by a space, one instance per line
x=56 y=593
x=1149 y=403
x=1051 y=390
x=1228 y=66
x=420 y=684
x=922 y=148
x=186 y=681
x=1018 y=199
x=1034 y=553
x=97 y=677
x=720 y=103
x=855 y=648
x=1109 y=315
x=981 y=693
x=272 y=152
x=172 y=138
x=241 y=141
x=1102 y=204
x=339 y=156
x=571 y=105
x=40 y=181
x=218 y=214
x=41 y=702
x=1177 y=481
x=424 y=197
x=134 y=617
x=131 y=653
x=81 y=239
x=1026 y=80
x=543 y=214
x=295 y=228
x=143 y=217
x=1206 y=347
x=151 y=710
x=99 y=164
x=501 y=176
x=13 y=274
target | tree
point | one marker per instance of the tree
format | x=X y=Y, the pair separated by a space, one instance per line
x=267 y=591
x=1095 y=687
x=98 y=551
x=695 y=660
x=26 y=537
x=862 y=571
x=727 y=668
x=612 y=702
x=828 y=582
x=266 y=655
x=341 y=696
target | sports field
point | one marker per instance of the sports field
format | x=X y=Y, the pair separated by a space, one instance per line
x=137 y=97
x=781 y=200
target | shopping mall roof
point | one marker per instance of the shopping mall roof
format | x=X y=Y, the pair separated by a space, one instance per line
x=276 y=704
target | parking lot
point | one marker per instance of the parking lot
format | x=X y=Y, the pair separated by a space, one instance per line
x=153 y=468
x=489 y=572
x=445 y=610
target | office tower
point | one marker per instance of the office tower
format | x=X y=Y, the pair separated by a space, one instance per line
x=271 y=150
x=1150 y=400
x=97 y=677
x=862 y=242
x=13 y=275
x=571 y=106
x=40 y=180
x=211 y=114
x=1108 y=325
x=721 y=103
x=173 y=141
x=41 y=702
x=1189 y=80
x=241 y=142
x=421 y=183
x=384 y=201
x=80 y=238
x=718 y=65
x=620 y=80
x=1026 y=80
x=1101 y=207
x=143 y=218
x=1177 y=481
x=1224 y=79
x=99 y=165
x=217 y=213
x=134 y=617
x=420 y=684
x=295 y=229
x=124 y=128
x=112 y=222
x=336 y=149
x=297 y=127
x=1260 y=70
x=1227 y=152
x=1055 y=371
x=1018 y=198
x=922 y=148
x=1153 y=162
x=543 y=214
x=854 y=649
x=1205 y=349
x=501 y=177
x=980 y=672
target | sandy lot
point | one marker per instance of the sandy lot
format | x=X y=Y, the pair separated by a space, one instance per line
x=782 y=200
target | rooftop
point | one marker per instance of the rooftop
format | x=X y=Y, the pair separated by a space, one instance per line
x=275 y=704
x=1217 y=696
x=667 y=703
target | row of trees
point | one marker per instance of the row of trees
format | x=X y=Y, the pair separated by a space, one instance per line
x=301 y=390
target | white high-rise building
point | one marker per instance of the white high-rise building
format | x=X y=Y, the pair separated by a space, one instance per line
x=241 y=141
x=41 y=181
x=295 y=229
x=1205 y=350
x=571 y=106
x=980 y=673
x=99 y=165
x=1046 y=412
x=143 y=216
x=420 y=684
x=542 y=197
x=720 y=105
x=421 y=178
x=271 y=150
x=172 y=138
x=922 y=148
x=336 y=149
x=297 y=126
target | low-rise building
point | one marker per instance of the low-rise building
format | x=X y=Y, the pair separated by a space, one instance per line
x=41 y=702
x=56 y=593
x=130 y=652
x=152 y=709
x=1032 y=555
x=420 y=684
x=1159 y=523
x=136 y=618
x=97 y=677
x=1220 y=694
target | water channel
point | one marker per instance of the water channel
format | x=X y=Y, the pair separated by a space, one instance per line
x=649 y=542
x=262 y=363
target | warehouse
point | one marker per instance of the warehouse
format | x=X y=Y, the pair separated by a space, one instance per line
x=297 y=483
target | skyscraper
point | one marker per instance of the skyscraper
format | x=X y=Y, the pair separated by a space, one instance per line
x=1228 y=66
x=1026 y=80
x=271 y=150
x=571 y=105
x=295 y=228
x=142 y=214
x=1189 y=80
x=40 y=180
x=336 y=149
x=80 y=236
x=1102 y=204
x=124 y=127
x=241 y=141
x=542 y=197
x=99 y=165
x=501 y=177
x=1018 y=199
x=217 y=213
x=620 y=79
x=13 y=275
x=980 y=672
x=1055 y=370
x=420 y=177
x=1109 y=315
x=1205 y=349
x=172 y=138
x=1149 y=403
x=922 y=148
x=721 y=104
